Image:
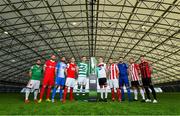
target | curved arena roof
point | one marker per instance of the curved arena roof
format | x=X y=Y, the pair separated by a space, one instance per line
x=33 y=29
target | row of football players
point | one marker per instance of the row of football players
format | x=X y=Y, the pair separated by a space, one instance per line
x=119 y=75
x=116 y=73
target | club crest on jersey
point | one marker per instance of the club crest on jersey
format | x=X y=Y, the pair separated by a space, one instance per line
x=73 y=68
x=101 y=66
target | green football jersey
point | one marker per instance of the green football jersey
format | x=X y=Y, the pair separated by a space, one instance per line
x=83 y=69
x=36 y=72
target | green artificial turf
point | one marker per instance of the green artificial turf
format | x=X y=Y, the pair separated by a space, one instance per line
x=13 y=103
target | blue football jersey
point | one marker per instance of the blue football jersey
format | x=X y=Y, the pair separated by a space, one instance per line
x=123 y=67
x=61 y=66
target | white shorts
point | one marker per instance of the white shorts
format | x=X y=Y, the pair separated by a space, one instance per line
x=113 y=83
x=82 y=80
x=33 y=84
x=70 y=82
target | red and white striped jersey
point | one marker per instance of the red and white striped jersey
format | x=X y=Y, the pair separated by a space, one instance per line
x=113 y=71
x=133 y=72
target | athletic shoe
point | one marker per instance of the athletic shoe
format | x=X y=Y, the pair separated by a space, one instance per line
x=135 y=99
x=143 y=100
x=35 y=101
x=72 y=99
x=113 y=99
x=119 y=100
x=105 y=100
x=77 y=94
x=155 y=101
x=147 y=100
x=130 y=99
x=100 y=100
x=61 y=100
x=83 y=94
x=52 y=100
x=40 y=100
x=26 y=101
x=83 y=91
x=123 y=99
x=48 y=100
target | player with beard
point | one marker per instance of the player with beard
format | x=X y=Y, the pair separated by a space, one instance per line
x=60 y=78
x=113 y=79
x=36 y=74
x=48 y=81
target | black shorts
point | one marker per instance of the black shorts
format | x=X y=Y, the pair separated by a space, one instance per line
x=102 y=81
x=136 y=83
x=146 y=81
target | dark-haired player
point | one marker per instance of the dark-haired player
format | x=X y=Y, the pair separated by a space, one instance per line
x=35 y=74
x=123 y=78
x=60 y=78
x=71 y=71
x=48 y=81
x=82 y=75
x=136 y=83
x=113 y=79
x=146 y=70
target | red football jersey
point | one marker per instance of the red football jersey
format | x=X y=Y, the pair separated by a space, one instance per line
x=49 y=71
x=71 y=70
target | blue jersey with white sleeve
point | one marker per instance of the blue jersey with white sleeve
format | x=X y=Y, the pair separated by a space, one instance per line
x=60 y=67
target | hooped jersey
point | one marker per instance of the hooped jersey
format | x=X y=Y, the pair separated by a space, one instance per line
x=82 y=69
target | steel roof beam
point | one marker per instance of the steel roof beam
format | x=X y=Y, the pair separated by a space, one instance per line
x=19 y=41
x=87 y=18
x=96 y=27
x=150 y=28
x=32 y=27
x=124 y=28
x=56 y=22
x=67 y=26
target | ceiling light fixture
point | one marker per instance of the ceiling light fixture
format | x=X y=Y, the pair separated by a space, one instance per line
x=6 y=32
x=143 y=27
x=13 y=60
x=74 y=23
